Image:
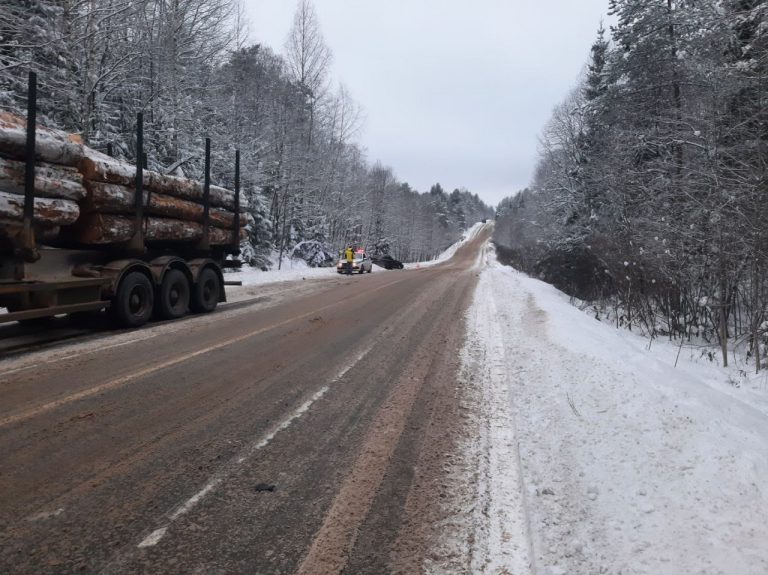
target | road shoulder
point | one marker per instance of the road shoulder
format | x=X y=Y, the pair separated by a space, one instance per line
x=593 y=453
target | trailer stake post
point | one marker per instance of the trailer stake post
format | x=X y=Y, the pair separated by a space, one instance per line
x=204 y=244
x=136 y=243
x=27 y=244
x=236 y=235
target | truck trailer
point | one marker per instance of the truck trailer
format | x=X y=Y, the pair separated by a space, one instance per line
x=81 y=231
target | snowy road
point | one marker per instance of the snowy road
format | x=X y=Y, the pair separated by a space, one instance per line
x=305 y=433
x=461 y=418
x=591 y=454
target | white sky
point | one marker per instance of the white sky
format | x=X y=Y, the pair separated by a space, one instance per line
x=454 y=91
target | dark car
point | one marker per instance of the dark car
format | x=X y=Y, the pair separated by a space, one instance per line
x=388 y=262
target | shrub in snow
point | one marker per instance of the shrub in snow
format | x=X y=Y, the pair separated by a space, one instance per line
x=255 y=257
x=315 y=253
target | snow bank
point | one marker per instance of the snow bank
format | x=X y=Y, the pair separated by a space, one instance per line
x=292 y=270
x=254 y=280
x=468 y=235
x=297 y=269
x=621 y=463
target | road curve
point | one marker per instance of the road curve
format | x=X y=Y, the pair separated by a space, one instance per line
x=309 y=436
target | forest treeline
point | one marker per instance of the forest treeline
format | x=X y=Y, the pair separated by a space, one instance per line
x=189 y=67
x=650 y=193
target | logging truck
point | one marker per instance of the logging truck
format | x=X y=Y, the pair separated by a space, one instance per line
x=81 y=231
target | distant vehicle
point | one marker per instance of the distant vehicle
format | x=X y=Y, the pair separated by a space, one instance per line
x=361 y=264
x=485 y=220
x=388 y=263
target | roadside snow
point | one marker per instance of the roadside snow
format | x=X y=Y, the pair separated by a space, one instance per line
x=468 y=235
x=593 y=454
x=254 y=279
x=292 y=270
x=297 y=270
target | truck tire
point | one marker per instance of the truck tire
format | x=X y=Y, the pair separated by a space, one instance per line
x=205 y=294
x=134 y=300
x=173 y=295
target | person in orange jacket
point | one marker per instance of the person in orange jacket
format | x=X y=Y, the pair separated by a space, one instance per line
x=349 y=254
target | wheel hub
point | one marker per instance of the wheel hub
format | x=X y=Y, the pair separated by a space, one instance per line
x=136 y=301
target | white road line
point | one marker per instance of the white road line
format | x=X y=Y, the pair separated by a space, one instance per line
x=187 y=506
x=286 y=423
x=78 y=353
x=45 y=515
x=153 y=538
x=119 y=382
x=354 y=362
x=77 y=350
x=157 y=535
x=68 y=351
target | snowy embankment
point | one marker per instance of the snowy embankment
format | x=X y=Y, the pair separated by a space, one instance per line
x=466 y=236
x=296 y=270
x=254 y=278
x=291 y=270
x=591 y=454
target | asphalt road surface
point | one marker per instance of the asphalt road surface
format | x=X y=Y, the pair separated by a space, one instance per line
x=308 y=436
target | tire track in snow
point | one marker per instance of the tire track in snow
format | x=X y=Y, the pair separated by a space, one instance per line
x=507 y=545
x=490 y=529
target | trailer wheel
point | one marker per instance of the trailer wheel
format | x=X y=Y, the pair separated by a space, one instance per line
x=205 y=294
x=134 y=300
x=173 y=296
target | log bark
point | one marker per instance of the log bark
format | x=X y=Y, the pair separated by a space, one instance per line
x=51 y=181
x=225 y=219
x=108 y=198
x=222 y=237
x=103 y=229
x=99 y=167
x=52 y=146
x=170 y=207
x=48 y=211
x=115 y=199
x=61 y=149
x=189 y=190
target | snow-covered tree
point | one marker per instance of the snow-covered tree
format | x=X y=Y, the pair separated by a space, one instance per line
x=650 y=187
x=185 y=64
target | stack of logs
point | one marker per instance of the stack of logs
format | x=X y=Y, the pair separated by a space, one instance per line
x=86 y=198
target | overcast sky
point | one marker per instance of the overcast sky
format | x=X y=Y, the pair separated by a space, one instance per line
x=453 y=91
